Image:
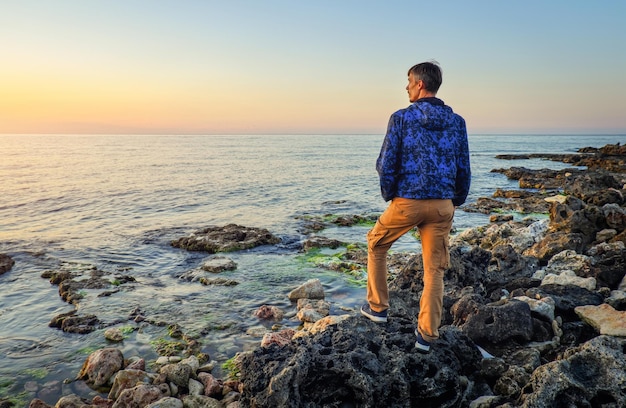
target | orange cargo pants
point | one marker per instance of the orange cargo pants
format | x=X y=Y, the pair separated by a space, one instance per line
x=433 y=218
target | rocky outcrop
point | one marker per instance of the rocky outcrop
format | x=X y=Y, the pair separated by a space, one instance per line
x=231 y=237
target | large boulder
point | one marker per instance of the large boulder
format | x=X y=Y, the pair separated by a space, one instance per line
x=360 y=363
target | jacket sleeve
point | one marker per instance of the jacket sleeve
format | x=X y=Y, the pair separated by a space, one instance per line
x=463 y=172
x=388 y=160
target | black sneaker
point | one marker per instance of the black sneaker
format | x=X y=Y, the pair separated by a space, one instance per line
x=421 y=345
x=378 y=317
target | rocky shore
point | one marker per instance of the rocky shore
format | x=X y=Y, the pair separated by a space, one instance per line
x=535 y=315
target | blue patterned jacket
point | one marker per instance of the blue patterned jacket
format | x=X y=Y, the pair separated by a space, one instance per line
x=425 y=154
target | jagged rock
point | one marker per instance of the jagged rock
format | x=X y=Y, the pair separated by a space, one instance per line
x=592 y=374
x=228 y=238
x=348 y=367
x=494 y=323
x=555 y=242
x=566 y=298
x=604 y=318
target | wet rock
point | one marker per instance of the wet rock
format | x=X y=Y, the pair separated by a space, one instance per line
x=218 y=282
x=71 y=401
x=141 y=395
x=126 y=379
x=70 y=323
x=321 y=242
x=604 y=318
x=310 y=310
x=593 y=374
x=218 y=264
x=101 y=366
x=6 y=263
x=280 y=338
x=212 y=386
x=167 y=402
x=36 y=403
x=114 y=334
x=200 y=401
x=228 y=238
x=311 y=289
x=178 y=374
x=266 y=312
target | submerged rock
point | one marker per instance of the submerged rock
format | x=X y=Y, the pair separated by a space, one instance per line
x=6 y=263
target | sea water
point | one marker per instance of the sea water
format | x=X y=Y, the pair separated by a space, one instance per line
x=114 y=202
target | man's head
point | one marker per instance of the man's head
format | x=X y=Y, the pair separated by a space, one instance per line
x=424 y=80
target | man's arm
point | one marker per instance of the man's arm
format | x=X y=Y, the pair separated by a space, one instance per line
x=388 y=159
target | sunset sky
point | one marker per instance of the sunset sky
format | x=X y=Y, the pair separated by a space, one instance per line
x=222 y=67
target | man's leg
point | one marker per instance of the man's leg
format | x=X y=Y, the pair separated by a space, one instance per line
x=398 y=218
x=434 y=234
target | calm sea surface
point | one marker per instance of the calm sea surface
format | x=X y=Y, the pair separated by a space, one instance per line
x=115 y=202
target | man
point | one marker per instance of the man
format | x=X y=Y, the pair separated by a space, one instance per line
x=424 y=170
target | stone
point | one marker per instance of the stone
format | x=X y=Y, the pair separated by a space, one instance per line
x=267 y=312
x=567 y=278
x=280 y=338
x=228 y=238
x=218 y=264
x=310 y=310
x=592 y=374
x=128 y=378
x=141 y=396
x=311 y=289
x=167 y=402
x=101 y=366
x=113 y=334
x=178 y=374
x=200 y=401
x=212 y=386
x=195 y=387
x=604 y=318
x=71 y=401
x=543 y=307
x=6 y=263
x=498 y=323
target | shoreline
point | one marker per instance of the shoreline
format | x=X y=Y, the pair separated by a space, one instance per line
x=500 y=220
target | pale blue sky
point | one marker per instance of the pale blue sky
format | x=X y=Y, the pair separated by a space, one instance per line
x=148 y=66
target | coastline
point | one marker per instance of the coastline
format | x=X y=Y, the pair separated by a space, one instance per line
x=350 y=322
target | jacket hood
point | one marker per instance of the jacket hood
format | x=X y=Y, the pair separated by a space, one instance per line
x=433 y=114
